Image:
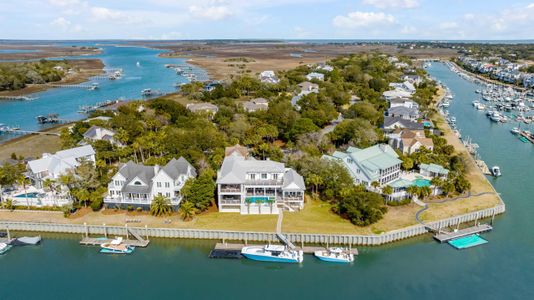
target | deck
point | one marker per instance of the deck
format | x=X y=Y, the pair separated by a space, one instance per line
x=88 y=241
x=447 y=236
x=306 y=249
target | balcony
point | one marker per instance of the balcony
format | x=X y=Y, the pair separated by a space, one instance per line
x=121 y=200
x=230 y=202
x=264 y=182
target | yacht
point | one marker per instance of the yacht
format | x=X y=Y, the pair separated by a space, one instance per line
x=445 y=104
x=515 y=130
x=496 y=171
x=336 y=255
x=272 y=253
x=4 y=248
x=116 y=247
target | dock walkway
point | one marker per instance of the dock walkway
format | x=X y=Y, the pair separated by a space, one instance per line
x=443 y=237
x=305 y=249
x=89 y=241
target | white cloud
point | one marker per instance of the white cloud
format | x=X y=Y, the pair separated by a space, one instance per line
x=61 y=23
x=64 y=2
x=214 y=13
x=358 y=19
x=408 y=29
x=392 y=3
x=448 y=25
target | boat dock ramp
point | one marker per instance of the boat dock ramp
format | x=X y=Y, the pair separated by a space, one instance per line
x=233 y=251
x=22 y=132
x=137 y=241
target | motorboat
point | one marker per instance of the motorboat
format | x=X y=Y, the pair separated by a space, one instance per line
x=4 y=248
x=445 y=104
x=272 y=253
x=515 y=130
x=116 y=246
x=496 y=171
x=335 y=255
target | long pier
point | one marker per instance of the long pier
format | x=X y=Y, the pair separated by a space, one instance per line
x=18 y=131
x=527 y=136
x=447 y=236
x=138 y=241
x=79 y=86
x=24 y=98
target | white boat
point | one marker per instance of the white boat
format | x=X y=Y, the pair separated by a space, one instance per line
x=445 y=104
x=336 y=255
x=496 y=171
x=116 y=247
x=515 y=130
x=138 y=64
x=4 y=248
x=453 y=120
x=272 y=253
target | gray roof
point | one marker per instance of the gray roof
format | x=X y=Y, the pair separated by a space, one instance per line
x=403 y=111
x=293 y=181
x=403 y=123
x=177 y=167
x=235 y=168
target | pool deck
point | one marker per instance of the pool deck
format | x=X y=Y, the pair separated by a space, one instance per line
x=447 y=236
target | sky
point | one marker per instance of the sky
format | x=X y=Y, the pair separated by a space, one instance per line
x=267 y=19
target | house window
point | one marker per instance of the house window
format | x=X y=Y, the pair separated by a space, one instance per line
x=275 y=176
x=263 y=176
x=167 y=184
x=111 y=193
x=168 y=195
x=137 y=183
x=252 y=176
x=158 y=184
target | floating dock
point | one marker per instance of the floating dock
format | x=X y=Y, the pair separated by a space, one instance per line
x=24 y=98
x=138 y=242
x=443 y=237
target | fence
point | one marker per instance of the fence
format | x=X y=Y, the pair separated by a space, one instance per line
x=247 y=236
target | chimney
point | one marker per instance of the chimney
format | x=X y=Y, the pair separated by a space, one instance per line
x=156 y=169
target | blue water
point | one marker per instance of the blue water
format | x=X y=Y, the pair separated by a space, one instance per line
x=421 y=182
x=66 y=101
x=28 y=195
x=417 y=268
x=14 y=51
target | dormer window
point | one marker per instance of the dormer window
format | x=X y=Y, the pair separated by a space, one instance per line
x=138 y=183
x=252 y=176
x=275 y=176
x=263 y=176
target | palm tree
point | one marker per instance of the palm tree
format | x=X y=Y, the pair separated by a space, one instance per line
x=24 y=181
x=375 y=185
x=315 y=180
x=412 y=190
x=187 y=210
x=160 y=206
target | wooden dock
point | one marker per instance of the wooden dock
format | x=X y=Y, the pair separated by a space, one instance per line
x=89 y=241
x=24 y=98
x=443 y=237
x=18 y=131
x=527 y=136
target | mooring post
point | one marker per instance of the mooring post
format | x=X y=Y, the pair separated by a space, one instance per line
x=8 y=234
x=246 y=241
x=492 y=217
x=146 y=231
x=86 y=230
x=105 y=230
x=476 y=219
x=127 y=235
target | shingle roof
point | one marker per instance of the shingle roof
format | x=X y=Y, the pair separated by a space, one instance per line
x=61 y=160
x=434 y=168
x=389 y=121
x=293 y=181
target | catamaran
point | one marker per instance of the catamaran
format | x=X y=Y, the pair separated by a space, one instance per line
x=272 y=253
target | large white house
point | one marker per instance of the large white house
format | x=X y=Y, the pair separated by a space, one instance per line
x=251 y=186
x=137 y=185
x=378 y=163
x=52 y=166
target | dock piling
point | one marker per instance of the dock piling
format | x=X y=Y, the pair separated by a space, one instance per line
x=105 y=230
x=8 y=233
x=86 y=229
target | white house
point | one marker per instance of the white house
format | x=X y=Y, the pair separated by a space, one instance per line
x=315 y=75
x=203 y=107
x=256 y=105
x=251 y=186
x=307 y=87
x=97 y=133
x=137 y=185
x=269 y=77
x=52 y=166
x=378 y=163
x=325 y=67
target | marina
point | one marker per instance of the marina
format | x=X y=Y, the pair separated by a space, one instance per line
x=445 y=236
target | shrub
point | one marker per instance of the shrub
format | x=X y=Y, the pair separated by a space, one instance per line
x=130 y=208
x=96 y=205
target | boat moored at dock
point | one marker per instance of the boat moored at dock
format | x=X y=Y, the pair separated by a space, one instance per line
x=116 y=246
x=272 y=253
x=335 y=255
x=4 y=248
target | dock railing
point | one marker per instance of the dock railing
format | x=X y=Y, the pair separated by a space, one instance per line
x=297 y=238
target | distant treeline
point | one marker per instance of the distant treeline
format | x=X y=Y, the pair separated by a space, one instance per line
x=15 y=76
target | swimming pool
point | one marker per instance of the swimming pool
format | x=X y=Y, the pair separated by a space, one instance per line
x=467 y=242
x=421 y=182
x=28 y=195
x=255 y=199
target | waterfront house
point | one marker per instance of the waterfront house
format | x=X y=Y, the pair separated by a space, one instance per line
x=256 y=105
x=203 y=107
x=52 y=166
x=403 y=112
x=378 y=163
x=414 y=79
x=433 y=170
x=392 y=123
x=250 y=186
x=395 y=102
x=315 y=75
x=137 y=184
x=406 y=86
x=97 y=133
x=410 y=141
x=269 y=77
x=396 y=93
x=325 y=67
